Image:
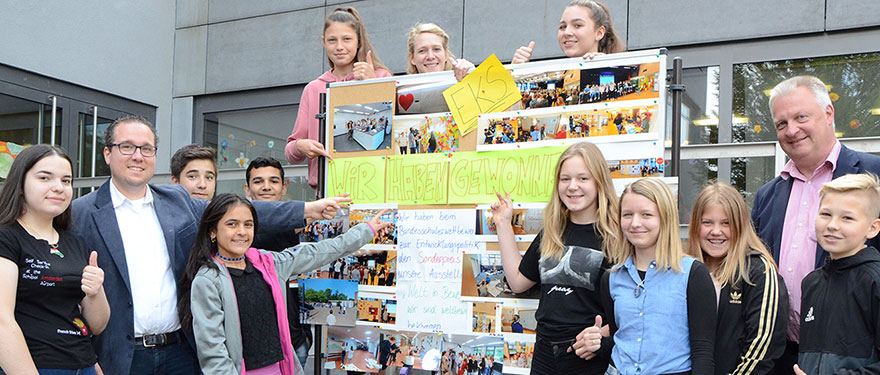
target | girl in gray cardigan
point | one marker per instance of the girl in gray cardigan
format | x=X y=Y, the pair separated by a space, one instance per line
x=223 y=270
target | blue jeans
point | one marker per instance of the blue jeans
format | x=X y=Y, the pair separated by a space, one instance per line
x=302 y=353
x=50 y=371
x=174 y=359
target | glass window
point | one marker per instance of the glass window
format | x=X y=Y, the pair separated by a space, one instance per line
x=23 y=123
x=241 y=136
x=850 y=79
x=699 y=106
x=84 y=164
x=694 y=174
x=748 y=175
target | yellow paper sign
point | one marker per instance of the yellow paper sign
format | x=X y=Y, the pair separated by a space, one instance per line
x=418 y=179
x=527 y=174
x=489 y=88
x=363 y=178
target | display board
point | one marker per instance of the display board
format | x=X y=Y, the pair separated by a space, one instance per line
x=415 y=145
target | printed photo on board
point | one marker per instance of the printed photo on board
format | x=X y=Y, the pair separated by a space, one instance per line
x=414 y=350
x=636 y=168
x=472 y=351
x=353 y=349
x=365 y=267
x=422 y=98
x=483 y=276
x=485 y=319
x=328 y=301
x=572 y=87
x=377 y=310
x=434 y=133
x=319 y=230
x=518 y=353
x=525 y=221
x=362 y=127
x=518 y=319
x=362 y=215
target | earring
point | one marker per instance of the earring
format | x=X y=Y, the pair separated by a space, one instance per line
x=213 y=239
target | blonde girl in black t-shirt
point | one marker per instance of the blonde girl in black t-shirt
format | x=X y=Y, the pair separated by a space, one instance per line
x=566 y=259
x=51 y=295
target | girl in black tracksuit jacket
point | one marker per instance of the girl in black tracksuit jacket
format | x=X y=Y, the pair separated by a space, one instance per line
x=752 y=299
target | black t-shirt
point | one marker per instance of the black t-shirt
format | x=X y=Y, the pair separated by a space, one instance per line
x=570 y=297
x=47 y=297
x=260 y=339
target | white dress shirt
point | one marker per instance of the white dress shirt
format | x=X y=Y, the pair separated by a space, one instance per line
x=153 y=289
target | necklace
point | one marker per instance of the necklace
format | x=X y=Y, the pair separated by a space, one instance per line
x=241 y=258
x=53 y=247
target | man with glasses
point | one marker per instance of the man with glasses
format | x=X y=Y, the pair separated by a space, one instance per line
x=143 y=234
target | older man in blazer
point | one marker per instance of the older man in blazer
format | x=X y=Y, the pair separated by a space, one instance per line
x=143 y=234
x=785 y=208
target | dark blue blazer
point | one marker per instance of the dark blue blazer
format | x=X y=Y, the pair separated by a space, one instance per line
x=94 y=219
x=771 y=201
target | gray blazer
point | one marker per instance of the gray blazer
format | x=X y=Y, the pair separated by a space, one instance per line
x=214 y=309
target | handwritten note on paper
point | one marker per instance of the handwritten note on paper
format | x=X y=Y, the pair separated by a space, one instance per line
x=429 y=259
x=527 y=174
x=363 y=178
x=417 y=179
x=489 y=88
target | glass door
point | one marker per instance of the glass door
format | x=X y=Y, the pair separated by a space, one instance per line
x=26 y=119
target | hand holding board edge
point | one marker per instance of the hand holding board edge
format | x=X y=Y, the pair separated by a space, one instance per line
x=489 y=88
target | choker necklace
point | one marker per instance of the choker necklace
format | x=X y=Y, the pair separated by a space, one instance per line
x=53 y=247
x=230 y=259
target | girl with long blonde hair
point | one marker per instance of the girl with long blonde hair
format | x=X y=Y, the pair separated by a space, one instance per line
x=659 y=302
x=567 y=258
x=752 y=299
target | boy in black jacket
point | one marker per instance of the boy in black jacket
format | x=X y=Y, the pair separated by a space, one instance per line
x=841 y=324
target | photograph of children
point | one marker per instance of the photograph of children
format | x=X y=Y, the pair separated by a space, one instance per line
x=365 y=267
x=601 y=122
x=517 y=319
x=483 y=276
x=571 y=87
x=323 y=229
x=636 y=168
x=328 y=301
x=527 y=219
x=353 y=349
x=359 y=215
x=377 y=308
x=519 y=129
x=414 y=350
x=425 y=134
x=485 y=319
x=474 y=354
x=518 y=354
x=360 y=127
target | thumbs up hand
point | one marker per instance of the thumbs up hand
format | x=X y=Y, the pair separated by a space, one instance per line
x=92 y=276
x=364 y=70
x=523 y=54
x=589 y=340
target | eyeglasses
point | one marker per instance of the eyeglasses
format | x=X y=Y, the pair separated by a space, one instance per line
x=129 y=149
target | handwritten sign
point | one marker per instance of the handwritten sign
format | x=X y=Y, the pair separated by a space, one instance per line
x=527 y=174
x=429 y=269
x=489 y=88
x=417 y=179
x=363 y=178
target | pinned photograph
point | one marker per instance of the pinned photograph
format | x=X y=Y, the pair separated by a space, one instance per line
x=485 y=317
x=636 y=168
x=413 y=350
x=372 y=268
x=483 y=276
x=518 y=319
x=362 y=127
x=353 y=349
x=573 y=87
x=327 y=301
x=363 y=213
x=518 y=354
x=474 y=352
x=377 y=308
x=527 y=221
x=319 y=230
x=432 y=133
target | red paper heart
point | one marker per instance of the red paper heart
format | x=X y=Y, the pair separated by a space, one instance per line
x=405 y=101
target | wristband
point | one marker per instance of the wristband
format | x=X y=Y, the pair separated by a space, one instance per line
x=372 y=229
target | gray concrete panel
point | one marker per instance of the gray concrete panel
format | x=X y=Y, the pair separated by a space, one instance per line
x=226 y=10
x=502 y=27
x=678 y=22
x=190 y=53
x=388 y=23
x=268 y=51
x=845 y=14
x=192 y=13
x=181 y=122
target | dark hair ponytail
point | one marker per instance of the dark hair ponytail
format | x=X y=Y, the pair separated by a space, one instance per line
x=203 y=249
